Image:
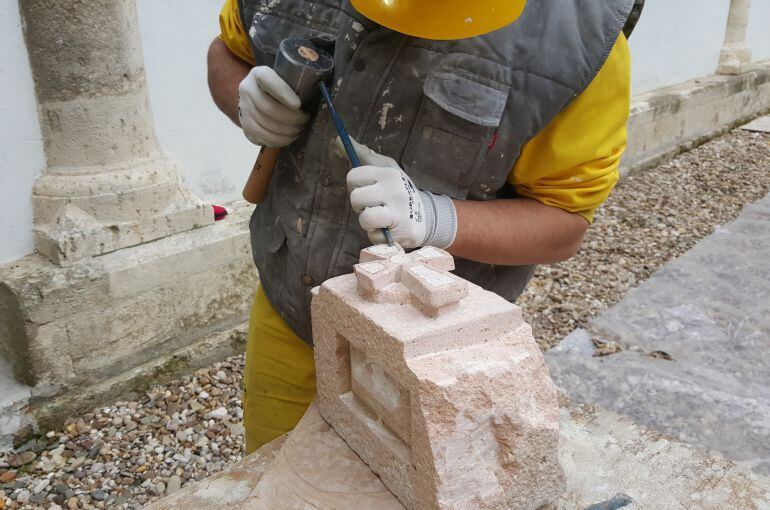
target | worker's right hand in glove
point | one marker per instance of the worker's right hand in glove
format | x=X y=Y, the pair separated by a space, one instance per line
x=269 y=110
x=384 y=196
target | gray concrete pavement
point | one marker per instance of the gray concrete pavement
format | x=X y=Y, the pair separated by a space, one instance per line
x=709 y=310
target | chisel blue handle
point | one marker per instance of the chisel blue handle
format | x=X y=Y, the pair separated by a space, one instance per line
x=347 y=143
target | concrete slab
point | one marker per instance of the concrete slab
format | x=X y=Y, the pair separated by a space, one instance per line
x=602 y=455
x=709 y=311
x=14 y=397
x=761 y=124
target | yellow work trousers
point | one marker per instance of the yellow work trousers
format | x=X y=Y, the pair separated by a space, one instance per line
x=279 y=379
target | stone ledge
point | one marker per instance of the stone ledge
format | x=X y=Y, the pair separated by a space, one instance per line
x=94 y=330
x=667 y=121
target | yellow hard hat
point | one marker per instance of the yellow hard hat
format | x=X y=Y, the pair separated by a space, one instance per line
x=441 y=19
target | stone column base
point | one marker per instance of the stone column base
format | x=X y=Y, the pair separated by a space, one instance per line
x=734 y=59
x=100 y=327
x=85 y=212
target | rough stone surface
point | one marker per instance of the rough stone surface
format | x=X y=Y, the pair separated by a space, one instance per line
x=436 y=384
x=94 y=329
x=602 y=454
x=689 y=344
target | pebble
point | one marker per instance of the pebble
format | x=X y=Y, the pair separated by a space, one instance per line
x=8 y=477
x=99 y=495
x=20 y=459
x=217 y=413
x=41 y=485
x=23 y=496
x=174 y=484
x=73 y=503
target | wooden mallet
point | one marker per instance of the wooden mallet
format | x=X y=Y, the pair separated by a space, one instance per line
x=303 y=66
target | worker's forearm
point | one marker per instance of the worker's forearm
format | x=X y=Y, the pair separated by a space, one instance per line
x=515 y=232
x=225 y=73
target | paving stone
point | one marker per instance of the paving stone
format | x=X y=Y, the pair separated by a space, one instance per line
x=709 y=311
x=760 y=124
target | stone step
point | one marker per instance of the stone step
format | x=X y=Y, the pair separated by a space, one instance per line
x=709 y=311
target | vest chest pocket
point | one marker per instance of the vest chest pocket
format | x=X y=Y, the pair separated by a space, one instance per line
x=455 y=125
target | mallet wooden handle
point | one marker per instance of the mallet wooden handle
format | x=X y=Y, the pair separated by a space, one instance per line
x=302 y=66
x=256 y=186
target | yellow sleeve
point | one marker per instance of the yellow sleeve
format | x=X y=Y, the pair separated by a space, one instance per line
x=573 y=163
x=231 y=32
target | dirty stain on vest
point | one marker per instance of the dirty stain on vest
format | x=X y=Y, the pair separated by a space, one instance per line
x=454 y=114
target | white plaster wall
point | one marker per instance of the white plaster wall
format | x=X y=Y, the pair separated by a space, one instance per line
x=216 y=158
x=676 y=41
x=21 y=146
x=758 y=35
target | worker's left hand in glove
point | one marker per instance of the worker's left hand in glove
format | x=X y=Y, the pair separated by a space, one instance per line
x=383 y=195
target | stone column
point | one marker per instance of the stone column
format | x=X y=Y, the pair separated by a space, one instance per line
x=107 y=186
x=735 y=53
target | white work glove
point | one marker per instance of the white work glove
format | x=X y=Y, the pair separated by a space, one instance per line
x=269 y=109
x=385 y=196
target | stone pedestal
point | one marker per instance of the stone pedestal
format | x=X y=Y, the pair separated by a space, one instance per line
x=92 y=331
x=735 y=54
x=437 y=384
x=107 y=185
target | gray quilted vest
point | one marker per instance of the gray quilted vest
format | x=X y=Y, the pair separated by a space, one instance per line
x=455 y=114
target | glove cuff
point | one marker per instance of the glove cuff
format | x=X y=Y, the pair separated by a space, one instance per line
x=440 y=220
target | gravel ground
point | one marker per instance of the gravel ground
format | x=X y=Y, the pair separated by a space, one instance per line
x=128 y=454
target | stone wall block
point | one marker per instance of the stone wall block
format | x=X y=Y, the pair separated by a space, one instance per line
x=66 y=330
x=453 y=410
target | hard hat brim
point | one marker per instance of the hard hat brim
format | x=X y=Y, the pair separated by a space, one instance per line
x=441 y=19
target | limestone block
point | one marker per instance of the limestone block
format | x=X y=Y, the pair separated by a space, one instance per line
x=437 y=384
